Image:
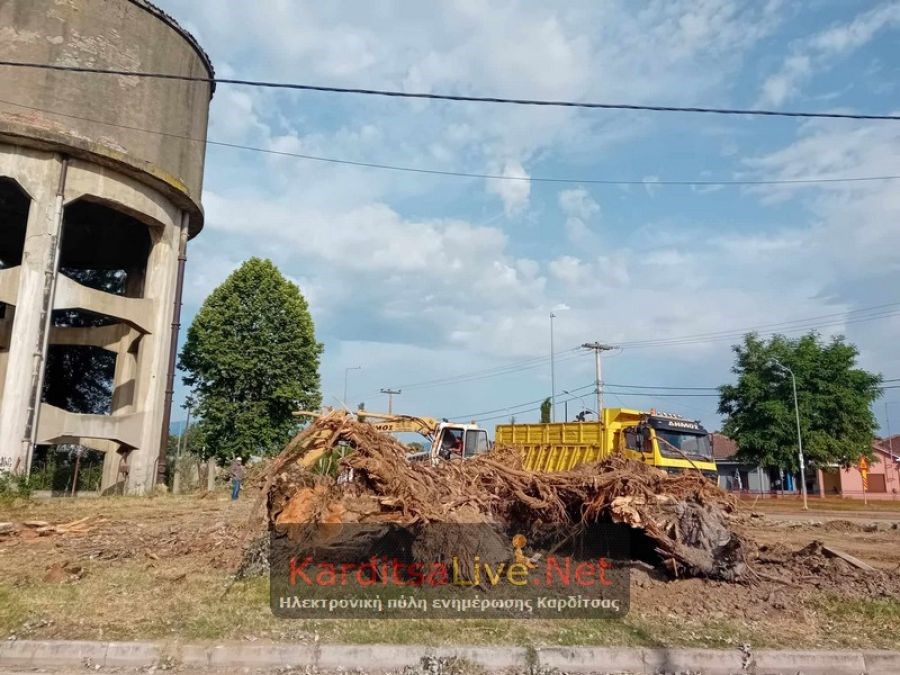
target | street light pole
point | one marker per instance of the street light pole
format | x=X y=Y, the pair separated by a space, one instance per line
x=799 y=435
x=346 y=375
x=887 y=420
x=584 y=406
x=552 y=373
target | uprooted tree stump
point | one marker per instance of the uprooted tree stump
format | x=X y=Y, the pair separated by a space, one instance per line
x=685 y=516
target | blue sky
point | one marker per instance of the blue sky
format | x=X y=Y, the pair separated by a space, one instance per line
x=420 y=278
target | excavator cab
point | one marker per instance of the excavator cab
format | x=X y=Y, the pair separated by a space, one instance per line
x=449 y=440
x=462 y=441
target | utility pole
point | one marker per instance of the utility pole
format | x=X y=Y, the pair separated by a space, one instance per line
x=391 y=393
x=182 y=448
x=552 y=373
x=598 y=348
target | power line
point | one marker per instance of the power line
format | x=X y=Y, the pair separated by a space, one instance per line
x=520 y=412
x=655 y=394
x=739 y=333
x=511 y=409
x=700 y=338
x=651 y=394
x=751 y=329
x=811 y=180
x=664 y=387
x=453 y=97
x=513 y=367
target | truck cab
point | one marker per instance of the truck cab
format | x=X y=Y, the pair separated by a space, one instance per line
x=667 y=441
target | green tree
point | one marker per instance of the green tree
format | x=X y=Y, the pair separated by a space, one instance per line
x=835 y=398
x=251 y=359
x=546 y=407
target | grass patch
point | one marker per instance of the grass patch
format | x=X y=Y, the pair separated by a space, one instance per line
x=159 y=568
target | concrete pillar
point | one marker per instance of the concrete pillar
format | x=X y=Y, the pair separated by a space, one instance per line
x=210 y=474
x=110 y=476
x=123 y=383
x=153 y=353
x=27 y=351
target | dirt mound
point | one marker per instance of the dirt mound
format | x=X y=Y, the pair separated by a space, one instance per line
x=684 y=517
x=815 y=565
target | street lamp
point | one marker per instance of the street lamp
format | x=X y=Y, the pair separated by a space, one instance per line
x=346 y=375
x=799 y=436
x=552 y=373
x=583 y=404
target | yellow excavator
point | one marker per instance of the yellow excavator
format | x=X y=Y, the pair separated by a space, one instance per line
x=448 y=440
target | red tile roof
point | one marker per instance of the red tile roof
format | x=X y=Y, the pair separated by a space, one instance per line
x=888 y=445
x=723 y=447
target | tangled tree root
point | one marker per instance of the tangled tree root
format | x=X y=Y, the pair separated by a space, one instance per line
x=684 y=516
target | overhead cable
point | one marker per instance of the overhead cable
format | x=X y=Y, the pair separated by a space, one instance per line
x=453 y=97
x=803 y=180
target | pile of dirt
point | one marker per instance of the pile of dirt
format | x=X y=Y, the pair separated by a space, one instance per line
x=817 y=566
x=684 y=517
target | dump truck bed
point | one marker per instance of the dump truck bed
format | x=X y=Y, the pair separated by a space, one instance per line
x=554 y=447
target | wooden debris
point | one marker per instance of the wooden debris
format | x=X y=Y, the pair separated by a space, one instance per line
x=32 y=529
x=846 y=557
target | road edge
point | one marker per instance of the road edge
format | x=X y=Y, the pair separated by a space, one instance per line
x=381 y=658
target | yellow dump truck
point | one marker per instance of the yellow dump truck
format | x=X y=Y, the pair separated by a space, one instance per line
x=667 y=441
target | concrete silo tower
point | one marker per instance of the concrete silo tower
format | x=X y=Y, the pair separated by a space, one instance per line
x=100 y=182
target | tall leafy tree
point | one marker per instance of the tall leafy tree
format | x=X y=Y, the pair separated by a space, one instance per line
x=835 y=399
x=252 y=359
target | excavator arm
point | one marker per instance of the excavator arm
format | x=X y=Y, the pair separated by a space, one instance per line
x=384 y=423
x=390 y=424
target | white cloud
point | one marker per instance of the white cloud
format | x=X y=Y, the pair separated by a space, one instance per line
x=577 y=203
x=651 y=185
x=399 y=275
x=819 y=51
x=579 y=208
x=513 y=193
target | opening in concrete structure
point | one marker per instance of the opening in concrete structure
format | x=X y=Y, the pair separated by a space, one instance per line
x=14 y=205
x=106 y=250
x=53 y=469
x=79 y=379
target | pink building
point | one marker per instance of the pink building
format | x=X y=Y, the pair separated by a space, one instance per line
x=884 y=475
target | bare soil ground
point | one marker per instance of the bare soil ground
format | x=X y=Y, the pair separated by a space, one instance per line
x=163 y=568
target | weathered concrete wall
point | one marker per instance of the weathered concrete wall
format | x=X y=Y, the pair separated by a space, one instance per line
x=142 y=187
x=110 y=34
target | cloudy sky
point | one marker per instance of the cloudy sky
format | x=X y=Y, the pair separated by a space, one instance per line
x=423 y=279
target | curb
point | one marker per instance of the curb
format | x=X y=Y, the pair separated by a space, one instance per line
x=391 y=658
